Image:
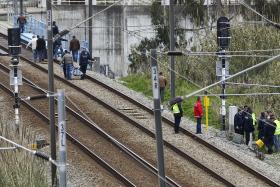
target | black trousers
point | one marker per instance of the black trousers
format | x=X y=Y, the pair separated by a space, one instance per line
x=83 y=69
x=177 y=123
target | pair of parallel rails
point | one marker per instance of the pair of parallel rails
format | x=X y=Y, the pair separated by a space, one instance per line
x=147 y=131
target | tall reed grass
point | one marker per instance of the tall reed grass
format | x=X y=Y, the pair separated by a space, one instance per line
x=19 y=168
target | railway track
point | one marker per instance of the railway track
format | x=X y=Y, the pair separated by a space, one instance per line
x=77 y=159
x=43 y=115
x=89 y=138
x=146 y=115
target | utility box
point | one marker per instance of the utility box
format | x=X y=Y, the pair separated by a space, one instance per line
x=232 y=111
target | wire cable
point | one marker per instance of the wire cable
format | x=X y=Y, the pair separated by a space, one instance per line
x=253 y=10
x=259 y=85
x=240 y=94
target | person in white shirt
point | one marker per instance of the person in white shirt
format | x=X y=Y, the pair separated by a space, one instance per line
x=33 y=43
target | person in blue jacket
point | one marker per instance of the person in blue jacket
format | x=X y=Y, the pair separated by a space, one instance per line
x=84 y=58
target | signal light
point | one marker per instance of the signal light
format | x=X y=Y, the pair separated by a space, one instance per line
x=14 y=41
x=223 y=32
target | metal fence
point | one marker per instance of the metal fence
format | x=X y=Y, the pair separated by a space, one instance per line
x=26 y=3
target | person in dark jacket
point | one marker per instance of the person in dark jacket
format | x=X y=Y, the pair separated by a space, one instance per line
x=248 y=125
x=239 y=122
x=178 y=113
x=55 y=30
x=198 y=113
x=269 y=131
x=261 y=125
x=21 y=21
x=41 y=48
x=84 y=58
x=74 y=48
x=58 y=53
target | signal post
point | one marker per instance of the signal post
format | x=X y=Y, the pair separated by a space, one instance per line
x=222 y=69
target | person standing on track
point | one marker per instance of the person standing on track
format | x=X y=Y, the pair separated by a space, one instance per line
x=198 y=113
x=269 y=131
x=238 y=122
x=41 y=48
x=261 y=125
x=67 y=61
x=248 y=125
x=21 y=21
x=178 y=113
x=74 y=48
x=84 y=58
x=33 y=43
x=162 y=85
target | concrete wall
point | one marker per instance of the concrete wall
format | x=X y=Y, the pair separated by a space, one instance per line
x=112 y=36
x=116 y=30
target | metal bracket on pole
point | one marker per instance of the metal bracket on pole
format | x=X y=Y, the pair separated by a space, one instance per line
x=7 y=148
x=157 y=113
x=174 y=53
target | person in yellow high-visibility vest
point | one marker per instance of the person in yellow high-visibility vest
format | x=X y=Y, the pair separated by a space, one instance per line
x=254 y=123
x=178 y=113
x=276 y=135
x=254 y=119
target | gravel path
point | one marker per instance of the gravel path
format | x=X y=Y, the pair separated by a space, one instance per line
x=185 y=173
x=269 y=167
x=181 y=141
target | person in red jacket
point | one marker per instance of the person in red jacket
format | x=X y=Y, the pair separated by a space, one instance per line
x=198 y=113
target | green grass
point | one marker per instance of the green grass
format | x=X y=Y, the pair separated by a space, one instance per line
x=142 y=83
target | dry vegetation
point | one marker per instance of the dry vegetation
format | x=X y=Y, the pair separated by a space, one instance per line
x=19 y=168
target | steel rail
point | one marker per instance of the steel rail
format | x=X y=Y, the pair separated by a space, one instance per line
x=186 y=132
x=190 y=134
x=127 y=118
x=148 y=132
x=75 y=141
x=101 y=132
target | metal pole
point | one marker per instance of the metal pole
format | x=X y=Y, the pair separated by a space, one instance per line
x=90 y=27
x=62 y=138
x=223 y=91
x=16 y=86
x=21 y=7
x=172 y=44
x=51 y=89
x=157 y=113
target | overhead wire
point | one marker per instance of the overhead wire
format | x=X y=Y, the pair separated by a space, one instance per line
x=253 y=10
x=258 y=85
